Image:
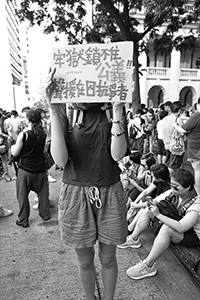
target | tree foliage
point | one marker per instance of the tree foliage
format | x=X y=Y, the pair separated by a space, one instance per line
x=41 y=104
x=117 y=20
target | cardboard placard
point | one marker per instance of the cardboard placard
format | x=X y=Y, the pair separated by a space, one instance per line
x=93 y=73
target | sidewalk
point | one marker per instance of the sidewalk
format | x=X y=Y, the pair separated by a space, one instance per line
x=34 y=265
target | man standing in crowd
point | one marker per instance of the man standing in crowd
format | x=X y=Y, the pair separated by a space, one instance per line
x=167 y=107
x=192 y=128
x=173 y=161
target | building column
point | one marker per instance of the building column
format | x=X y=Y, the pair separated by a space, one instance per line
x=174 y=76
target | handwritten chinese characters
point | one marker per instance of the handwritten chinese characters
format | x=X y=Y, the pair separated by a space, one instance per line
x=93 y=72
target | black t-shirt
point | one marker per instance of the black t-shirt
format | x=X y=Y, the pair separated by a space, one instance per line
x=90 y=160
x=32 y=156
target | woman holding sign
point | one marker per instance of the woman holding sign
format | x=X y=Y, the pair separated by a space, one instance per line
x=92 y=205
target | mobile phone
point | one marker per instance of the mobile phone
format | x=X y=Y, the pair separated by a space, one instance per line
x=149 y=201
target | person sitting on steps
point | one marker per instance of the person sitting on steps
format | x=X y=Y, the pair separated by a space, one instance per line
x=185 y=232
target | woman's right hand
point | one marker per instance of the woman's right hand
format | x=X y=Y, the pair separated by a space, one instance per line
x=50 y=89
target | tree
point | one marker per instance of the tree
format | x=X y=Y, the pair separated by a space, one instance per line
x=41 y=104
x=116 y=19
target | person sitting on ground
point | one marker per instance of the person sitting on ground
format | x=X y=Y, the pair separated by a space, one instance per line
x=147 y=161
x=131 y=166
x=160 y=183
x=132 y=169
x=185 y=232
x=143 y=180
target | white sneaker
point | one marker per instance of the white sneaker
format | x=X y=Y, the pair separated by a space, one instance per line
x=51 y=179
x=4 y=212
x=35 y=206
x=141 y=270
x=130 y=243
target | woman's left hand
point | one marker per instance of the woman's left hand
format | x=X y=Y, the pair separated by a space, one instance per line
x=154 y=209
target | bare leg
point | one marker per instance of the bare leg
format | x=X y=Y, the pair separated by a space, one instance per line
x=87 y=271
x=142 y=223
x=151 y=143
x=161 y=243
x=107 y=254
x=133 y=223
x=5 y=163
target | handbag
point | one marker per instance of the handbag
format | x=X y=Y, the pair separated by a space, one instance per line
x=48 y=160
x=177 y=144
x=167 y=208
x=48 y=157
x=4 y=144
x=156 y=146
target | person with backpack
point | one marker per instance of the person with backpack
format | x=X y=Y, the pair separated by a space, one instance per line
x=149 y=130
x=135 y=132
x=173 y=141
x=92 y=204
x=192 y=130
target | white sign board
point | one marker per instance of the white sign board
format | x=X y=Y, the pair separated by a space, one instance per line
x=93 y=72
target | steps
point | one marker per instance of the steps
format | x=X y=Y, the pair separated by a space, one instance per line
x=190 y=259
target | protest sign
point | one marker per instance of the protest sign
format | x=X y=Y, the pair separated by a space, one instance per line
x=93 y=73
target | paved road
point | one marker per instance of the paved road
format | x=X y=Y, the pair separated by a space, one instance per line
x=34 y=265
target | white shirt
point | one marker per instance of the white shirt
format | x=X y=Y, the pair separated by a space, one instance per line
x=167 y=128
x=159 y=130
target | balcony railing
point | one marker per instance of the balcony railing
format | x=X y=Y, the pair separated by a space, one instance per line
x=158 y=72
x=189 y=73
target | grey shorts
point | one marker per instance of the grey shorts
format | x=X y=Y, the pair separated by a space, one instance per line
x=82 y=223
x=190 y=239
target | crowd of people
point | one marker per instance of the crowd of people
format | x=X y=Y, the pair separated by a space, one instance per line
x=117 y=170
x=170 y=134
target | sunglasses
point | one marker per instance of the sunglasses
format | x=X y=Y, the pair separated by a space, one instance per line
x=174 y=186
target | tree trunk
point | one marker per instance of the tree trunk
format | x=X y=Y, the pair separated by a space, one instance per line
x=136 y=101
